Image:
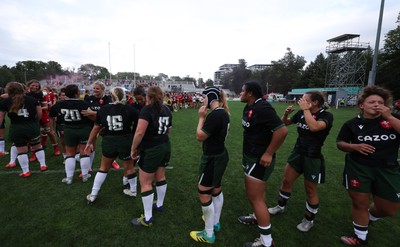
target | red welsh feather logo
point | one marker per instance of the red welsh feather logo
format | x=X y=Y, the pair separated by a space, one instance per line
x=250 y=114
x=355 y=183
x=385 y=124
x=101 y=102
x=315 y=117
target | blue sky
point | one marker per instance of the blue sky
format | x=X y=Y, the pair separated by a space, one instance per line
x=181 y=37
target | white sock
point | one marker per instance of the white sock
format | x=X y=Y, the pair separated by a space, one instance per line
x=70 y=164
x=91 y=159
x=85 y=165
x=161 y=191
x=373 y=218
x=23 y=162
x=133 y=184
x=208 y=212
x=2 y=145
x=124 y=180
x=41 y=157
x=98 y=182
x=218 y=202
x=148 y=205
x=13 y=154
x=361 y=234
x=266 y=239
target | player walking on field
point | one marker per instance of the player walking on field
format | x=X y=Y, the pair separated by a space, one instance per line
x=212 y=130
x=371 y=142
x=115 y=122
x=264 y=132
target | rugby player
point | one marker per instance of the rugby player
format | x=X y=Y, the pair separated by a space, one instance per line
x=371 y=142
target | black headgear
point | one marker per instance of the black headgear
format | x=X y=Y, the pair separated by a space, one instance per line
x=212 y=93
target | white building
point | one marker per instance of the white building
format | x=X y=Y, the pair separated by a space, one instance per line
x=223 y=70
x=259 y=67
x=228 y=68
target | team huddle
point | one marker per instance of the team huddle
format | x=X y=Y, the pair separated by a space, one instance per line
x=141 y=128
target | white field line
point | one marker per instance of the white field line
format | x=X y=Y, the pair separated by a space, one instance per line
x=18 y=170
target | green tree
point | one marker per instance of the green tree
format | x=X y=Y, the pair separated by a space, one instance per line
x=127 y=75
x=314 y=75
x=162 y=75
x=262 y=77
x=176 y=78
x=5 y=76
x=286 y=72
x=388 y=73
x=237 y=77
x=209 y=83
x=188 y=78
x=148 y=77
x=28 y=70
x=53 y=68
x=94 y=72
x=200 y=82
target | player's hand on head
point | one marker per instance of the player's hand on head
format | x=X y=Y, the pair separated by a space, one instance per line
x=304 y=105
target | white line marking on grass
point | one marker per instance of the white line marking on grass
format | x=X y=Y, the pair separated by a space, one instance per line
x=18 y=171
x=35 y=171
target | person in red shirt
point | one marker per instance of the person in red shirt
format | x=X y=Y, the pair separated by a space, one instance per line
x=49 y=99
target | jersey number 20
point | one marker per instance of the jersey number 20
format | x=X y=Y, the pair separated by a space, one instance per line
x=71 y=115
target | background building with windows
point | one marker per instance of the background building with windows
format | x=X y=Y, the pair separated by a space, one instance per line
x=228 y=68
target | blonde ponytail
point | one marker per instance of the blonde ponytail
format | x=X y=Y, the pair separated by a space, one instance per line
x=223 y=101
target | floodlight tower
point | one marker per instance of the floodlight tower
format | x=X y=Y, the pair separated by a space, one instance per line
x=346 y=62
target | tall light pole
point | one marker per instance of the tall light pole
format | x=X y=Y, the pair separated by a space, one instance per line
x=109 y=58
x=372 y=73
x=198 y=82
x=134 y=65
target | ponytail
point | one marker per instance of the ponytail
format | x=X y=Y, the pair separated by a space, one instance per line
x=223 y=102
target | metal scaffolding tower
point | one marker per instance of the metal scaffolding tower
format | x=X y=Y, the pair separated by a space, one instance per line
x=346 y=62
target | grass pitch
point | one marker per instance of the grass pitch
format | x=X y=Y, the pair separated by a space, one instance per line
x=41 y=211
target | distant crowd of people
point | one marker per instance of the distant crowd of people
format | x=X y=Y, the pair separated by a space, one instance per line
x=141 y=122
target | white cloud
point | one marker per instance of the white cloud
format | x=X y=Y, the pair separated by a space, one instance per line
x=179 y=37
